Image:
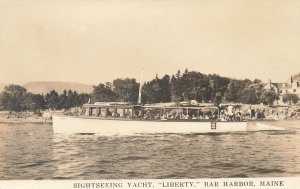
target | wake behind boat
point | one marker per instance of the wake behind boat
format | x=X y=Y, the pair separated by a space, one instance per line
x=123 y=118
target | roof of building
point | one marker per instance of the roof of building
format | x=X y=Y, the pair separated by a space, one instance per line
x=280 y=85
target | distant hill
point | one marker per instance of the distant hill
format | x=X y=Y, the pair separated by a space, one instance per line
x=40 y=87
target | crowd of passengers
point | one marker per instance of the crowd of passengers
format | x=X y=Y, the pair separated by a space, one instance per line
x=179 y=115
x=227 y=114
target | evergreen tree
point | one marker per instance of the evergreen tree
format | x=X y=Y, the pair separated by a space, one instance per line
x=62 y=100
x=126 y=90
x=33 y=102
x=235 y=90
x=82 y=99
x=157 y=90
x=103 y=93
x=175 y=89
x=290 y=98
x=52 y=99
x=268 y=97
x=39 y=100
x=231 y=93
x=249 y=96
x=165 y=89
x=70 y=101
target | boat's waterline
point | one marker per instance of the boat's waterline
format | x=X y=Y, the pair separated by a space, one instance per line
x=264 y=127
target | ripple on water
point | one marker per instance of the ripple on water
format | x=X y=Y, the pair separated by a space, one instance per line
x=32 y=151
x=262 y=170
x=130 y=158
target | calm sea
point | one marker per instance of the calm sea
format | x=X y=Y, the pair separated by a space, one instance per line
x=32 y=151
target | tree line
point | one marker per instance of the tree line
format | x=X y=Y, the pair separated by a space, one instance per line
x=186 y=86
x=16 y=98
x=190 y=85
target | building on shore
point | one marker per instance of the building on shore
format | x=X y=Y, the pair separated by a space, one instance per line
x=291 y=87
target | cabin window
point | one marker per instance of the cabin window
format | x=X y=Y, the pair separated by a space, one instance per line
x=149 y=113
x=137 y=112
x=122 y=114
x=99 y=113
x=119 y=112
x=109 y=112
x=84 y=111
x=127 y=112
x=168 y=114
x=115 y=112
x=96 y=112
x=155 y=113
x=102 y=112
x=186 y=113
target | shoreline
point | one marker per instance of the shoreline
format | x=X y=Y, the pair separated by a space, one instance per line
x=25 y=117
x=15 y=122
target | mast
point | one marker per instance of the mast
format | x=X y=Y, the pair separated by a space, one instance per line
x=140 y=89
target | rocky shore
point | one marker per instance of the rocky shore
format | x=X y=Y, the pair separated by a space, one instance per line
x=262 y=112
x=25 y=117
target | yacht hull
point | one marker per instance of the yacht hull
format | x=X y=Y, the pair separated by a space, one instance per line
x=69 y=125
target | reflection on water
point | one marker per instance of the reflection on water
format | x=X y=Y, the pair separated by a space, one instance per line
x=32 y=151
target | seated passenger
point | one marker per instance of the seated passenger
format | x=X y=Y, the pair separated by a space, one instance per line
x=214 y=117
x=138 y=113
x=127 y=113
x=238 y=116
x=164 y=117
x=186 y=116
x=222 y=117
x=146 y=115
x=157 y=116
x=109 y=113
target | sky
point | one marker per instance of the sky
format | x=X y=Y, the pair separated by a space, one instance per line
x=94 y=41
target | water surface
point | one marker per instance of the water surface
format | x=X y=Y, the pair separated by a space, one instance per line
x=32 y=151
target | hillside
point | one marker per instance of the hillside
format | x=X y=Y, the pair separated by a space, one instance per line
x=40 y=87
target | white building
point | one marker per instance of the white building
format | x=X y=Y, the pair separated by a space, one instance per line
x=292 y=87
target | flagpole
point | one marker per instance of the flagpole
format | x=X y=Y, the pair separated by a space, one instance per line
x=140 y=89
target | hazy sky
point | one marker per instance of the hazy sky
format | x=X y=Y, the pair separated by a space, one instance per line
x=92 y=41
